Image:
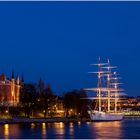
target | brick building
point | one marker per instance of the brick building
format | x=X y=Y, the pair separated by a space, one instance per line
x=9 y=91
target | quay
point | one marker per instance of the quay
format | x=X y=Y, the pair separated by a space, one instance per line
x=41 y=120
x=55 y=119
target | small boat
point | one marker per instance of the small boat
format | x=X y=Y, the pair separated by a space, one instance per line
x=108 y=94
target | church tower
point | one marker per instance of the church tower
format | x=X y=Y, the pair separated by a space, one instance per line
x=13 y=87
x=17 y=89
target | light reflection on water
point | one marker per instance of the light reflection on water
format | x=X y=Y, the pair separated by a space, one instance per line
x=59 y=128
x=32 y=125
x=71 y=129
x=107 y=129
x=6 y=131
x=79 y=123
x=90 y=130
x=9 y=130
x=44 y=130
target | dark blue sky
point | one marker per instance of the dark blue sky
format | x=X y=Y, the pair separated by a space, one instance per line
x=58 y=40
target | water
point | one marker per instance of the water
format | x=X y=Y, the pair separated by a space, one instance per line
x=128 y=128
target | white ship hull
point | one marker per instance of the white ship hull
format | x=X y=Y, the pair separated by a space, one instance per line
x=103 y=116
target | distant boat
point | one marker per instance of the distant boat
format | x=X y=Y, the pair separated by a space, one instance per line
x=107 y=94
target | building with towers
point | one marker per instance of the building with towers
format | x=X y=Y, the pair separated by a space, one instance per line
x=9 y=90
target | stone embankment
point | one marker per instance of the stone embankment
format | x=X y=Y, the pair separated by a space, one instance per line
x=40 y=120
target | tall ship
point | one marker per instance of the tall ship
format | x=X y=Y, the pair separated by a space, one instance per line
x=108 y=94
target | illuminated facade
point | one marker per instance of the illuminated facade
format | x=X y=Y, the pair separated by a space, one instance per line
x=59 y=108
x=9 y=91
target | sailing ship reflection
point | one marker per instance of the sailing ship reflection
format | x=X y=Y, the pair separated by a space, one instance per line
x=106 y=130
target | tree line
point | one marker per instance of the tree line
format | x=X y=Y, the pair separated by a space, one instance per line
x=40 y=99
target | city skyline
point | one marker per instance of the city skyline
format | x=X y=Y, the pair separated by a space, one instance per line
x=57 y=41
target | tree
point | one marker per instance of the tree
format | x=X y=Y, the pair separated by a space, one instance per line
x=82 y=106
x=29 y=98
x=40 y=96
x=70 y=101
x=50 y=100
x=73 y=100
x=41 y=87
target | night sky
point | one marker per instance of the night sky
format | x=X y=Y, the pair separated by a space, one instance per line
x=56 y=41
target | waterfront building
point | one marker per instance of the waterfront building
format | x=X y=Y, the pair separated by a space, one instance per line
x=59 y=107
x=9 y=90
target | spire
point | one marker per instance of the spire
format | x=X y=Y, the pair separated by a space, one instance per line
x=17 y=79
x=22 y=79
x=12 y=74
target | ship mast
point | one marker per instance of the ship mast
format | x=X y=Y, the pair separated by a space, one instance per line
x=99 y=89
x=109 y=89
x=116 y=95
x=108 y=84
x=100 y=73
x=99 y=84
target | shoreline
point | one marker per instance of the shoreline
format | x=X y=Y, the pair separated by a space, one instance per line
x=48 y=120
x=41 y=120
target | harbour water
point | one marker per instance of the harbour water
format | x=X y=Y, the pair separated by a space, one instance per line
x=126 y=129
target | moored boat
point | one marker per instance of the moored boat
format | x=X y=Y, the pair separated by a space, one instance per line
x=108 y=92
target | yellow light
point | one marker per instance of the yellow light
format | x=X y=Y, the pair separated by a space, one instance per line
x=60 y=111
x=61 y=125
x=43 y=125
x=6 y=131
x=32 y=125
x=44 y=130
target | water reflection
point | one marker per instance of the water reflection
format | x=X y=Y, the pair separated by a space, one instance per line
x=59 y=128
x=6 y=131
x=79 y=123
x=71 y=128
x=44 y=131
x=10 y=131
x=107 y=129
x=61 y=125
x=32 y=125
x=128 y=128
